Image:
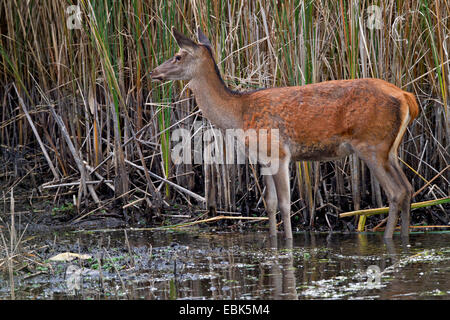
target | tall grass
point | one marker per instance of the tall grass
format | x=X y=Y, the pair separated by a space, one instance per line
x=96 y=80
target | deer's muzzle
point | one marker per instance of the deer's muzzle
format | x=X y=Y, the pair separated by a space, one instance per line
x=156 y=75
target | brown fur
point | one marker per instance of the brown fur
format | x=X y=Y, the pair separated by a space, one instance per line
x=322 y=121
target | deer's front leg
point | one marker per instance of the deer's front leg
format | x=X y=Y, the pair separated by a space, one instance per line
x=281 y=179
x=270 y=197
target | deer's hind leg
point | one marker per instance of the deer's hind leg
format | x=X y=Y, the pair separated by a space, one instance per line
x=405 y=206
x=387 y=175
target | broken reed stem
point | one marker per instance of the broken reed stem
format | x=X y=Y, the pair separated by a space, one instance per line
x=186 y=224
x=369 y=212
x=188 y=192
x=36 y=134
x=429 y=182
x=217 y=218
x=9 y=263
x=71 y=184
x=12 y=231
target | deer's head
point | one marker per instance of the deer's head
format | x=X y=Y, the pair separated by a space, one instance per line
x=187 y=62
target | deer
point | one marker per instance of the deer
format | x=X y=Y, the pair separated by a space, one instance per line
x=317 y=122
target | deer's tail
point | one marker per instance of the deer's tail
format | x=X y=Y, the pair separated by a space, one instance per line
x=413 y=106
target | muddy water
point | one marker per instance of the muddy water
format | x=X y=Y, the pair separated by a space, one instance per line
x=202 y=265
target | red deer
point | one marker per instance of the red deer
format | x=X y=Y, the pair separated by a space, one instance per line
x=322 y=121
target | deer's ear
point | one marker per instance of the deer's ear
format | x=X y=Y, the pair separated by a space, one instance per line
x=203 y=39
x=183 y=41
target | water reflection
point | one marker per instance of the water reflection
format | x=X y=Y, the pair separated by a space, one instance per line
x=196 y=265
x=282 y=277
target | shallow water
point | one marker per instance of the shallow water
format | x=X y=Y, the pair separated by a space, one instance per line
x=202 y=265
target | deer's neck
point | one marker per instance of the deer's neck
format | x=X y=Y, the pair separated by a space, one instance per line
x=217 y=103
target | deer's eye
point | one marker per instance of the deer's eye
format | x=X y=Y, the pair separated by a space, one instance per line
x=177 y=58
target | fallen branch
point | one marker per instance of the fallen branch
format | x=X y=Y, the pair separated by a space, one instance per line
x=370 y=212
x=425 y=227
x=380 y=228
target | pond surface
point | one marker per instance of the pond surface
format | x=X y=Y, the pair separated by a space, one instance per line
x=202 y=265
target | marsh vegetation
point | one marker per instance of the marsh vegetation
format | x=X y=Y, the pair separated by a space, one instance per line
x=84 y=129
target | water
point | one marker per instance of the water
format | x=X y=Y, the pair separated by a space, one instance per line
x=201 y=265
